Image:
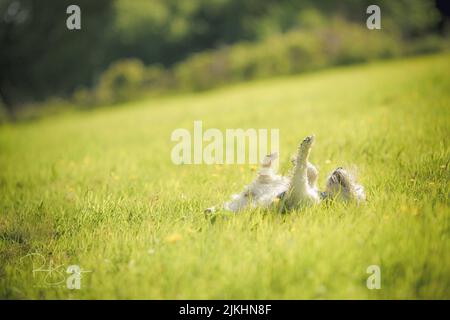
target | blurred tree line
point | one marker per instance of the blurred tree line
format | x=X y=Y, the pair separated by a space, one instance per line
x=41 y=58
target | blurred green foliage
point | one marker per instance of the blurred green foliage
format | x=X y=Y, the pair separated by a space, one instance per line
x=40 y=57
x=292 y=52
x=123 y=79
x=193 y=44
x=336 y=43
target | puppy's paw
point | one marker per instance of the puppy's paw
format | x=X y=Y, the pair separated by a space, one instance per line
x=305 y=148
x=307 y=142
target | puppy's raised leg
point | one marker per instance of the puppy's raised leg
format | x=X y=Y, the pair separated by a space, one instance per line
x=311 y=172
x=301 y=193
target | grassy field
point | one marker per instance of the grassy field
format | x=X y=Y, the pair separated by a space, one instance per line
x=98 y=189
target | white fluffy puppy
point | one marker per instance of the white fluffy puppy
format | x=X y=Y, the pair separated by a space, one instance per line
x=299 y=189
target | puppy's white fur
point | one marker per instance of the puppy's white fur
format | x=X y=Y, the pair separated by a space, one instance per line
x=303 y=190
x=263 y=190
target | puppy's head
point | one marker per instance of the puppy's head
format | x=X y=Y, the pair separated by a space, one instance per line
x=339 y=182
x=342 y=183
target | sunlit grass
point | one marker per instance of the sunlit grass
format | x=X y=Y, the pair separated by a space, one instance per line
x=98 y=189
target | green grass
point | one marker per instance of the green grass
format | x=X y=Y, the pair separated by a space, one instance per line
x=98 y=189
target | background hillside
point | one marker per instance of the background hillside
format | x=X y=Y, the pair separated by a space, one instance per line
x=99 y=190
x=129 y=49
